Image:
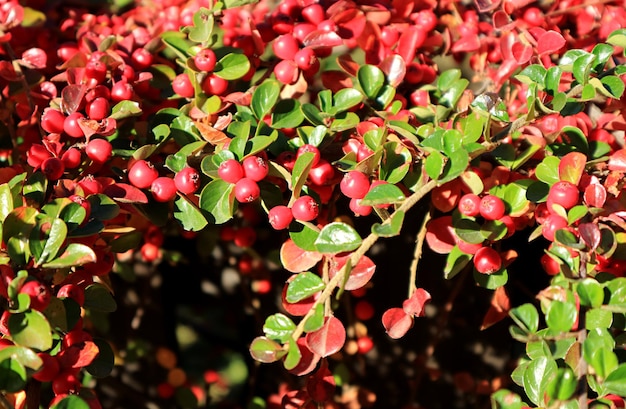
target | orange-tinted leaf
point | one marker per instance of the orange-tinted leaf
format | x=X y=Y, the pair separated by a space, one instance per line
x=308 y=360
x=446 y=196
x=336 y=80
x=295 y=259
x=350 y=23
x=328 y=339
x=440 y=235
x=210 y=134
x=125 y=193
x=595 y=195
x=397 y=322
x=410 y=40
x=617 y=160
x=499 y=308
x=346 y=63
x=415 y=305
x=572 y=166
x=301 y=307
x=360 y=274
x=550 y=42
x=78 y=355
x=394 y=68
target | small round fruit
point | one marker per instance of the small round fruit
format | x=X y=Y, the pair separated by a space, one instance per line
x=255 y=168
x=310 y=148
x=563 y=193
x=205 y=60
x=142 y=174
x=71 y=158
x=551 y=225
x=182 y=86
x=99 y=150
x=280 y=217
x=365 y=344
x=121 y=91
x=163 y=189
x=39 y=294
x=142 y=59
x=52 y=120
x=469 y=205
x=72 y=291
x=305 y=209
x=65 y=382
x=550 y=265
x=305 y=58
x=230 y=171
x=355 y=184
x=150 y=252
x=53 y=168
x=71 y=127
x=287 y=72
x=322 y=174
x=214 y=85
x=492 y=207
x=359 y=209
x=187 y=180
x=285 y=47
x=98 y=109
x=487 y=261
x=247 y=190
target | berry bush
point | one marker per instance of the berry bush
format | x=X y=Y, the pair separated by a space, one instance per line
x=396 y=203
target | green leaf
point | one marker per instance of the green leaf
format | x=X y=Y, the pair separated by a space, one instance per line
x=103 y=364
x=434 y=164
x=468 y=231
x=46 y=239
x=345 y=99
x=189 y=216
x=451 y=97
x=603 y=361
x=25 y=356
x=287 y=113
x=526 y=317
x=35 y=187
x=548 y=170
x=266 y=350
x=279 y=327
x=99 y=298
x=178 y=161
x=505 y=399
x=232 y=66
x=382 y=194
x=561 y=315
x=491 y=281
x=303 y=236
x=618 y=38
x=202 y=28
x=588 y=93
x=30 y=329
x=125 y=109
x=458 y=162
x=312 y=114
x=6 y=201
x=615 y=382
x=71 y=402
x=177 y=42
x=103 y=207
x=448 y=79
x=597 y=318
x=582 y=67
x=317 y=135
x=613 y=85
x=536 y=377
x=75 y=254
x=293 y=355
x=533 y=73
x=337 y=237
x=12 y=375
x=300 y=172
x=344 y=121
x=396 y=162
x=264 y=98
x=553 y=79
x=371 y=80
x=392 y=228
x=590 y=293
x=218 y=200
x=563 y=385
x=455 y=262
x=303 y=285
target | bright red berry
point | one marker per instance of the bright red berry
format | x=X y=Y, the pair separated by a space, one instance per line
x=322 y=174
x=550 y=265
x=287 y=72
x=305 y=58
x=469 y=205
x=53 y=168
x=492 y=207
x=52 y=120
x=255 y=168
x=365 y=344
x=310 y=148
x=142 y=174
x=230 y=171
x=187 y=180
x=280 y=217
x=66 y=382
x=49 y=369
x=305 y=209
x=551 y=225
x=247 y=190
x=359 y=209
x=72 y=291
x=163 y=189
x=98 y=109
x=39 y=294
x=71 y=127
x=245 y=237
x=121 y=91
x=182 y=86
x=285 y=47
x=487 y=261
x=355 y=184
x=99 y=150
x=142 y=59
x=563 y=193
x=214 y=85
x=205 y=60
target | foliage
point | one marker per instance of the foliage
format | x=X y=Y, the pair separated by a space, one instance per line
x=320 y=127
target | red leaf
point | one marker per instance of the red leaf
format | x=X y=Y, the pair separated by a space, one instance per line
x=440 y=235
x=308 y=360
x=360 y=274
x=328 y=339
x=415 y=305
x=595 y=195
x=466 y=44
x=350 y=23
x=370 y=42
x=394 y=68
x=91 y=127
x=321 y=38
x=8 y=72
x=321 y=385
x=486 y=5
x=572 y=166
x=590 y=233
x=501 y=20
x=550 y=42
x=522 y=52
x=78 y=355
x=125 y=193
x=34 y=58
x=617 y=160
x=336 y=80
x=446 y=196
x=397 y=322
x=499 y=308
x=71 y=97
x=410 y=40
x=295 y=259
x=347 y=64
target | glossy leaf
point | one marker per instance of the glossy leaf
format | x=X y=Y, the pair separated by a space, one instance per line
x=371 y=80
x=75 y=254
x=202 y=27
x=382 y=194
x=189 y=216
x=397 y=322
x=30 y=329
x=526 y=317
x=287 y=113
x=232 y=66
x=71 y=402
x=360 y=274
x=345 y=99
x=392 y=228
x=615 y=382
x=563 y=385
x=536 y=377
x=561 y=315
x=571 y=167
x=548 y=170
x=99 y=298
x=26 y=356
x=303 y=286
x=265 y=350
x=264 y=98
x=295 y=259
x=590 y=293
x=337 y=237
x=218 y=200
x=278 y=327
x=328 y=339
x=12 y=375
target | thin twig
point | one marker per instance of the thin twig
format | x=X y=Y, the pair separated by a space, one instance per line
x=4 y=403
x=417 y=254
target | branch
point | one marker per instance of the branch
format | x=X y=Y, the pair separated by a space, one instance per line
x=417 y=254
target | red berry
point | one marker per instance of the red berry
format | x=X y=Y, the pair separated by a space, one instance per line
x=563 y=193
x=487 y=261
x=255 y=168
x=214 y=85
x=550 y=265
x=182 y=86
x=492 y=207
x=53 y=168
x=121 y=91
x=98 y=109
x=36 y=154
x=245 y=236
x=359 y=209
x=305 y=58
x=310 y=148
x=285 y=47
x=389 y=36
x=95 y=71
x=90 y=185
x=280 y=217
x=65 y=382
x=287 y=72
x=305 y=209
x=52 y=120
x=247 y=190
x=150 y=252
x=469 y=205
x=230 y=171
x=142 y=59
x=322 y=174
x=72 y=291
x=551 y=225
x=39 y=294
x=355 y=184
x=99 y=150
x=163 y=189
x=71 y=127
x=187 y=181
x=314 y=13
x=205 y=60
x=363 y=310
x=533 y=16
x=49 y=369
x=142 y=174
x=365 y=344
